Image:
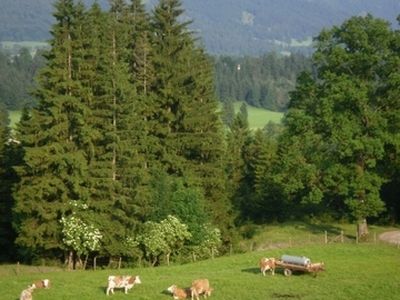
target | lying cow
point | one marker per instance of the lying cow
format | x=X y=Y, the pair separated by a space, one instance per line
x=200 y=287
x=122 y=282
x=27 y=293
x=267 y=264
x=178 y=293
x=42 y=284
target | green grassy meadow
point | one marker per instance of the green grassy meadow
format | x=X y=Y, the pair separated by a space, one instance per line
x=259 y=117
x=353 y=271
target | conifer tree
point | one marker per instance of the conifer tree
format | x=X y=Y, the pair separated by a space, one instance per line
x=188 y=127
x=54 y=168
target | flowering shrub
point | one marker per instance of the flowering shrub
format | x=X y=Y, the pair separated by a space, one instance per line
x=77 y=234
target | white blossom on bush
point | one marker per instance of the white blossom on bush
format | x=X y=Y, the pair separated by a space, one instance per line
x=80 y=236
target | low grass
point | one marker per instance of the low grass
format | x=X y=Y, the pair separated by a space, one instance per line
x=353 y=271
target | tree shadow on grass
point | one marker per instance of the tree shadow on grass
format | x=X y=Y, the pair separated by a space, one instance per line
x=252 y=270
x=318 y=228
x=285 y=296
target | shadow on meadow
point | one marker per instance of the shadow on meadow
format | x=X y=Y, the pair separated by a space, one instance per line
x=252 y=270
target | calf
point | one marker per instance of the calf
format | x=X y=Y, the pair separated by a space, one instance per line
x=178 y=293
x=267 y=264
x=27 y=293
x=125 y=282
x=200 y=287
x=42 y=284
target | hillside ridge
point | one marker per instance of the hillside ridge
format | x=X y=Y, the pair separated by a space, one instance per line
x=233 y=27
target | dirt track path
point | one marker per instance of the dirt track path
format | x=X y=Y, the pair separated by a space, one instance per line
x=392 y=237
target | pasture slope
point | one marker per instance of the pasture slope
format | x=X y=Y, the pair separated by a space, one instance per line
x=353 y=271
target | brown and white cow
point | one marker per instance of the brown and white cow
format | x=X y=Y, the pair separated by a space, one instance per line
x=27 y=293
x=200 y=287
x=178 y=293
x=42 y=284
x=122 y=282
x=267 y=264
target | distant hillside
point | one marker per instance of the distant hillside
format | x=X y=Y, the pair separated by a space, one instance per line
x=225 y=26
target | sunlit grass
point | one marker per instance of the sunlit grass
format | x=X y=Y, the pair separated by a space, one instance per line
x=353 y=271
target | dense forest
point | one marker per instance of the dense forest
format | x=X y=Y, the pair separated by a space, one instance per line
x=126 y=154
x=263 y=81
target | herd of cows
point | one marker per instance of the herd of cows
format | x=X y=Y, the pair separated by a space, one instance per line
x=199 y=287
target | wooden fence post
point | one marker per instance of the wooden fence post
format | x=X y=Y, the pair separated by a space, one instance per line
x=342 y=236
x=326 y=237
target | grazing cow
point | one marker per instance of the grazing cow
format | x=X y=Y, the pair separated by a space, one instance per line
x=125 y=282
x=42 y=284
x=200 y=287
x=27 y=293
x=267 y=264
x=178 y=293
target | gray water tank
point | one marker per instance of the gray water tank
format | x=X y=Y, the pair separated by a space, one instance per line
x=296 y=260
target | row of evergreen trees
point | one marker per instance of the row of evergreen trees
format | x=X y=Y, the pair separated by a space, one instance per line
x=126 y=119
x=263 y=81
x=127 y=132
x=16 y=77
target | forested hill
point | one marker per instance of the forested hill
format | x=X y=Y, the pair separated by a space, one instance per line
x=225 y=26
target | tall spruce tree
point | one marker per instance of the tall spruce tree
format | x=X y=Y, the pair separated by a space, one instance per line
x=54 y=169
x=188 y=127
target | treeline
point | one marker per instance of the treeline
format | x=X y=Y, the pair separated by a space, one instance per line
x=17 y=77
x=125 y=132
x=259 y=81
x=263 y=81
x=126 y=155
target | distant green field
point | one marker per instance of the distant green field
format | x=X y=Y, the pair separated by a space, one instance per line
x=14 y=116
x=259 y=117
x=353 y=272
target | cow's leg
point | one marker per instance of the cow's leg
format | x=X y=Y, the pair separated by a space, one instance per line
x=108 y=291
x=273 y=271
x=126 y=289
